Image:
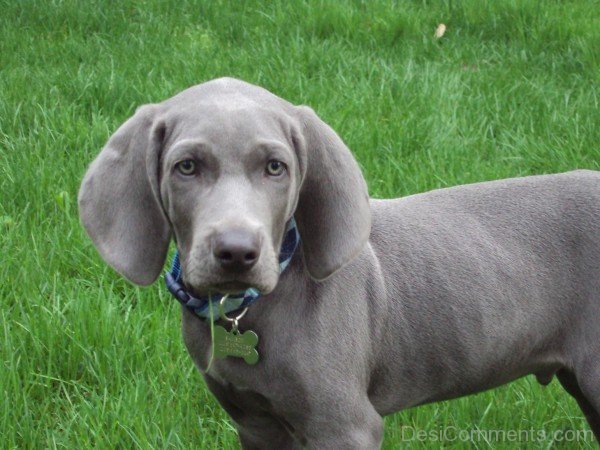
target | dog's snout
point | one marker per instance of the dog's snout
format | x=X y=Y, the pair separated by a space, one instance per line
x=236 y=250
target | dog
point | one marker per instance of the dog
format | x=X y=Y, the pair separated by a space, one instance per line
x=385 y=304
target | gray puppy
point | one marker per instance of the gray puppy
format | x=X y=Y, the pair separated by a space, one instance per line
x=386 y=304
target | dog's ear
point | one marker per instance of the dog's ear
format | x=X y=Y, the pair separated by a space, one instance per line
x=333 y=212
x=119 y=204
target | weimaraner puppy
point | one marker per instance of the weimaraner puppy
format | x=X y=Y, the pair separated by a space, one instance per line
x=385 y=304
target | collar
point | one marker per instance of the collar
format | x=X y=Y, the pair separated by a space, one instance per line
x=201 y=306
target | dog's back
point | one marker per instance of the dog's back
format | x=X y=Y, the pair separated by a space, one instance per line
x=502 y=277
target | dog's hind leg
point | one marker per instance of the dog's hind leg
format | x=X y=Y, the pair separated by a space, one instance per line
x=586 y=393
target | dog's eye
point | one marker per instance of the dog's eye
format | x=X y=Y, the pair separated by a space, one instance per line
x=275 y=168
x=186 y=167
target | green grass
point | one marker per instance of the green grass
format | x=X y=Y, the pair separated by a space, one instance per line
x=87 y=360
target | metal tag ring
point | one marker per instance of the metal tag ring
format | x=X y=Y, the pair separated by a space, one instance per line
x=233 y=320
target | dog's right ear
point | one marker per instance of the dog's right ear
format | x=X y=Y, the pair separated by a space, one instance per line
x=119 y=203
x=333 y=212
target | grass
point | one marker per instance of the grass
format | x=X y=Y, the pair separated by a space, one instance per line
x=87 y=360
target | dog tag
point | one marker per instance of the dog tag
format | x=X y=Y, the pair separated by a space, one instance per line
x=234 y=343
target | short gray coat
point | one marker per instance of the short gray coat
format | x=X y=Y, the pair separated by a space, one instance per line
x=387 y=304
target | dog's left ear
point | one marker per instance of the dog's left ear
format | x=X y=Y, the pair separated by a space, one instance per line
x=333 y=212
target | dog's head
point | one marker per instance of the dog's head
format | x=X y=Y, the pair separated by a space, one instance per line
x=222 y=167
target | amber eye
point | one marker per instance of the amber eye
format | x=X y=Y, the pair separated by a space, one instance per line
x=186 y=167
x=275 y=168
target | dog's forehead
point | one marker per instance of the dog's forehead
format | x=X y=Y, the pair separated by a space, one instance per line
x=224 y=110
x=220 y=88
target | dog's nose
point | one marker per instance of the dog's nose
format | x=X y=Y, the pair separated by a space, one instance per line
x=236 y=250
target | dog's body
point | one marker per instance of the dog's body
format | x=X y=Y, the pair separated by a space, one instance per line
x=448 y=293
x=458 y=290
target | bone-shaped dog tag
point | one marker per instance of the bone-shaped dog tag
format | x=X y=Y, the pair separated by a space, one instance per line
x=234 y=343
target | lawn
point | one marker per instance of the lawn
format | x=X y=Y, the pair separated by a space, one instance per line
x=88 y=360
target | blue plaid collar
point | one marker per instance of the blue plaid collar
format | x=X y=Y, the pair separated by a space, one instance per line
x=201 y=306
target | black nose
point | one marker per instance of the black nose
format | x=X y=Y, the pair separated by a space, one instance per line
x=236 y=250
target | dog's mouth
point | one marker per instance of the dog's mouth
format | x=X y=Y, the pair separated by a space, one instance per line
x=223 y=287
x=201 y=283
x=230 y=287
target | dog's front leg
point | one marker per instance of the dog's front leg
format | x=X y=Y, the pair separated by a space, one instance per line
x=265 y=432
x=256 y=429
x=261 y=433
x=360 y=427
